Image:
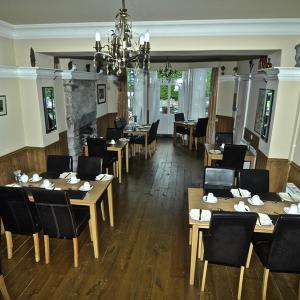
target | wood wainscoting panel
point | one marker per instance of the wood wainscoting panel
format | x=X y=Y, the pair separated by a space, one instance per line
x=294 y=174
x=63 y=140
x=251 y=138
x=104 y=122
x=224 y=123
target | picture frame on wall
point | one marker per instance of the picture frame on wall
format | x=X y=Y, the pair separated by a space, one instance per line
x=101 y=93
x=3 y=107
x=49 y=108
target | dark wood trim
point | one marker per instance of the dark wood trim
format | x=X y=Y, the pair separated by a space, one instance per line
x=251 y=138
x=104 y=122
x=224 y=123
x=294 y=174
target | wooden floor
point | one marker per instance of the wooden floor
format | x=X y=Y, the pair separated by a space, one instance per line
x=146 y=255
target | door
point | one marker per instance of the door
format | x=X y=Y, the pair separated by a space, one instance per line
x=168 y=106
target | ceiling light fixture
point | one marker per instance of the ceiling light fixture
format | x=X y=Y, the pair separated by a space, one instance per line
x=121 y=50
x=167 y=73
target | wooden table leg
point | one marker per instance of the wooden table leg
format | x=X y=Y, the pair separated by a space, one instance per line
x=146 y=146
x=174 y=135
x=110 y=205
x=127 y=158
x=191 y=138
x=94 y=227
x=195 y=232
x=120 y=165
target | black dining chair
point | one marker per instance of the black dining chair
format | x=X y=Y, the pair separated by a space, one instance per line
x=279 y=251
x=227 y=242
x=19 y=216
x=89 y=167
x=118 y=123
x=97 y=147
x=233 y=157
x=179 y=117
x=180 y=130
x=113 y=134
x=200 y=131
x=57 y=164
x=3 y=288
x=59 y=218
x=218 y=181
x=123 y=122
x=223 y=138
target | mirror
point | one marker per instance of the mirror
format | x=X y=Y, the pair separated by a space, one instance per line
x=49 y=108
x=263 y=113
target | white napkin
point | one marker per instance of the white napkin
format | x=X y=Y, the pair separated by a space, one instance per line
x=263 y=220
x=215 y=151
x=205 y=214
x=123 y=140
x=103 y=177
x=13 y=185
x=67 y=175
x=244 y=193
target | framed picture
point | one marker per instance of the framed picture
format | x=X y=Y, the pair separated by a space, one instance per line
x=101 y=93
x=3 y=108
x=49 y=108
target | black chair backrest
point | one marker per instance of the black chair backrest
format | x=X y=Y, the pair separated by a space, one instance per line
x=285 y=247
x=17 y=213
x=118 y=123
x=59 y=163
x=55 y=212
x=223 y=137
x=254 y=180
x=113 y=133
x=179 y=117
x=89 y=167
x=218 y=178
x=97 y=147
x=234 y=156
x=123 y=122
x=201 y=127
x=229 y=237
x=0 y=257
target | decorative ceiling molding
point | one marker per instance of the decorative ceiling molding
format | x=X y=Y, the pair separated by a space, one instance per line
x=80 y=75
x=288 y=74
x=26 y=72
x=184 y=28
x=224 y=78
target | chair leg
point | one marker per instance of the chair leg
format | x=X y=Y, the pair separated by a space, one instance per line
x=102 y=210
x=75 y=247
x=196 y=142
x=106 y=170
x=190 y=236
x=241 y=282
x=265 y=284
x=200 y=244
x=249 y=256
x=3 y=289
x=47 y=249
x=204 y=276
x=36 y=247
x=202 y=250
x=91 y=232
x=9 y=244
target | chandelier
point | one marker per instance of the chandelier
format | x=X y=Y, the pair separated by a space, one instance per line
x=121 y=50
x=167 y=73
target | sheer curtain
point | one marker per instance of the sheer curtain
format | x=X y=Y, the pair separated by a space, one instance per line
x=139 y=100
x=154 y=97
x=192 y=93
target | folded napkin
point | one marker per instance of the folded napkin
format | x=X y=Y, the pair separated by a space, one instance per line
x=215 y=151
x=123 y=140
x=67 y=175
x=263 y=220
x=240 y=193
x=104 y=177
x=13 y=185
x=205 y=214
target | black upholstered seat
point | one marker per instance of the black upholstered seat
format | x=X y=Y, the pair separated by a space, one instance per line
x=279 y=252
x=227 y=241
x=218 y=181
x=59 y=218
x=200 y=130
x=57 y=164
x=89 y=167
x=223 y=137
x=118 y=124
x=180 y=130
x=97 y=147
x=19 y=216
x=113 y=134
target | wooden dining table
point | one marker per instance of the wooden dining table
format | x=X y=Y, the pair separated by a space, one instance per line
x=210 y=155
x=195 y=201
x=118 y=147
x=140 y=130
x=90 y=200
x=185 y=124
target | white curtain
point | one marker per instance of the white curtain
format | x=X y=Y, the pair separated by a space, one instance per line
x=192 y=93
x=139 y=103
x=154 y=96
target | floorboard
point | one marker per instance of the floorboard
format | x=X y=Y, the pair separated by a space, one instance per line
x=146 y=255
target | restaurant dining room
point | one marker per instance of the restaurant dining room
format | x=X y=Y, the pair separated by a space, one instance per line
x=149 y=150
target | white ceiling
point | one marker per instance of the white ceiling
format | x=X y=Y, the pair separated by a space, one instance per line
x=64 y=11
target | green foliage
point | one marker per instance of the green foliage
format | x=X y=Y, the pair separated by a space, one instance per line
x=208 y=81
x=169 y=76
x=163 y=92
x=174 y=94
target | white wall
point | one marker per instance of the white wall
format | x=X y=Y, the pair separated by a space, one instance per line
x=225 y=96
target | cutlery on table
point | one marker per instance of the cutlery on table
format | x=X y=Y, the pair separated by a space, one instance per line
x=240 y=192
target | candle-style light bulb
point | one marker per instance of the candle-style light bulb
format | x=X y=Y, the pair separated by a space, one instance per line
x=142 y=39
x=147 y=37
x=97 y=36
